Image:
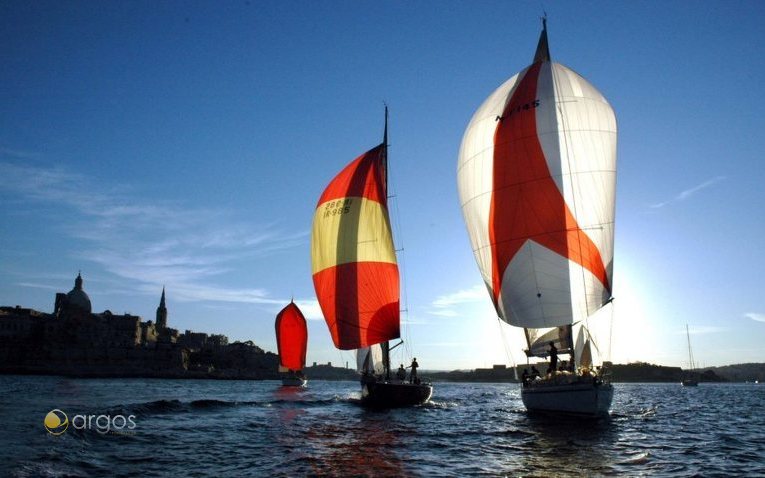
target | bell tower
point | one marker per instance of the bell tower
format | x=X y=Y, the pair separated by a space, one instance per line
x=162 y=312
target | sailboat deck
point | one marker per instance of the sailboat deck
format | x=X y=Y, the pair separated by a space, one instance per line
x=562 y=379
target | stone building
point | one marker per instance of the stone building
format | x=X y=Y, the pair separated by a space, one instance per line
x=75 y=341
x=76 y=302
x=162 y=312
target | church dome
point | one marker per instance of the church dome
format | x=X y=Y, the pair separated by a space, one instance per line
x=77 y=297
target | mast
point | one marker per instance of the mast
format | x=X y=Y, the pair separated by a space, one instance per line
x=690 y=353
x=385 y=346
x=385 y=154
x=543 y=50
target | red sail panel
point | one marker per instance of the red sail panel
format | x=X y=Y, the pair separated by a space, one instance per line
x=291 y=337
x=358 y=305
x=523 y=185
x=363 y=177
x=354 y=266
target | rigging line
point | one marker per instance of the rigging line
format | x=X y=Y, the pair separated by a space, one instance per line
x=404 y=299
x=611 y=328
x=343 y=358
x=508 y=352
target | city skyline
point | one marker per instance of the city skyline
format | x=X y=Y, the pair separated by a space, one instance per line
x=185 y=147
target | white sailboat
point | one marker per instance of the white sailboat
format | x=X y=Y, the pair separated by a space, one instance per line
x=536 y=179
x=689 y=380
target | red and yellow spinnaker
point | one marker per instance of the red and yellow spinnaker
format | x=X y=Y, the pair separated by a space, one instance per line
x=291 y=338
x=354 y=267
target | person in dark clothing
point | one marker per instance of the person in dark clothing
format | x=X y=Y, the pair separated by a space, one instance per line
x=525 y=377
x=401 y=373
x=413 y=374
x=534 y=372
x=553 y=357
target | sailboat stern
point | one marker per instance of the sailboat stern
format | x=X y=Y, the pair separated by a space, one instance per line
x=583 y=399
x=379 y=394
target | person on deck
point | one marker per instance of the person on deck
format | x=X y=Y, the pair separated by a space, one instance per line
x=534 y=372
x=553 y=357
x=401 y=373
x=525 y=378
x=413 y=374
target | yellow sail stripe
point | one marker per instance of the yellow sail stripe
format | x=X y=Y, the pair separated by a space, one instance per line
x=351 y=229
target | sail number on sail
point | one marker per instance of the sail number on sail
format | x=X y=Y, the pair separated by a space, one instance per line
x=519 y=108
x=341 y=206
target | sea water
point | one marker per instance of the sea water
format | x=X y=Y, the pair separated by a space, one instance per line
x=161 y=427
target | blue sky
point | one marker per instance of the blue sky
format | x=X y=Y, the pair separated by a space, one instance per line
x=185 y=144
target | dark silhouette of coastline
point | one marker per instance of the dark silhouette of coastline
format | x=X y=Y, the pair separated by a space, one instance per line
x=633 y=372
x=74 y=341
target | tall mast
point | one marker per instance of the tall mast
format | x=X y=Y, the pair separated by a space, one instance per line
x=690 y=354
x=543 y=50
x=385 y=154
x=385 y=346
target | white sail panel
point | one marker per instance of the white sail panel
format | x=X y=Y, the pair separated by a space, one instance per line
x=539 y=340
x=582 y=348
x=585 y=144
x=548 y=123
x=370 y=360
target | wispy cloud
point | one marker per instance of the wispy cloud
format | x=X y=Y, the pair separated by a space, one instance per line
x=755 y=316
x=17 y=153
x=37 y=286
x=446 y=305
x=151 y=243
x=310 y=309
x=683 y=195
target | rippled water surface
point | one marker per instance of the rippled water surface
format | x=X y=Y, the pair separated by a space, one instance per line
x=238 y=428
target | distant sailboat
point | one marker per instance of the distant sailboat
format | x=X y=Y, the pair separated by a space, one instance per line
x=355 y=274
x=690 y=380
x=536 y=178
x=292 y=342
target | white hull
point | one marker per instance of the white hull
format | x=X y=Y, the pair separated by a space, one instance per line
x=294 y=382
x=575 y=399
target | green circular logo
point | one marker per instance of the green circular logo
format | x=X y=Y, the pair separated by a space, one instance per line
x=56 y=422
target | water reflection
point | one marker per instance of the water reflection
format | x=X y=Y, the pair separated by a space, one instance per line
x=563 y=445
x=364 y=445
x=286 y=411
